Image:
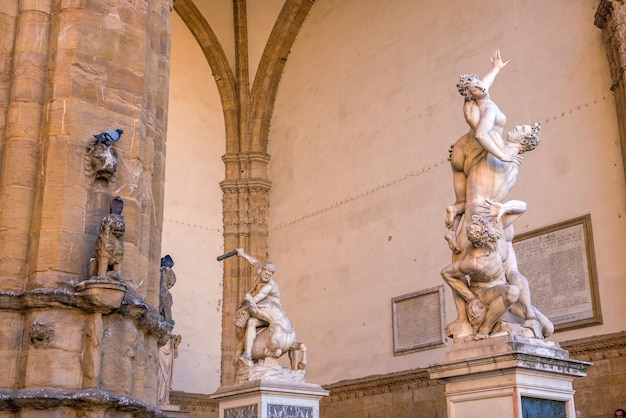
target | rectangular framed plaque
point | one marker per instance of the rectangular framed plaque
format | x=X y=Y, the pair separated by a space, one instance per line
x=418 y=321
x=559 y=263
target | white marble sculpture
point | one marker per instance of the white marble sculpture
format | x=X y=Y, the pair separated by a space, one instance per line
x=167 y=353
x=264 y=330
x=484 y=277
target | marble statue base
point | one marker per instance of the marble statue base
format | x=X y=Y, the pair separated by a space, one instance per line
x=508 y=376
x=269 y=398
x=173 y=411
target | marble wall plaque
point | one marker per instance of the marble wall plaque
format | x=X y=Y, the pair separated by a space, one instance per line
x=559 y=262
x=418 y=321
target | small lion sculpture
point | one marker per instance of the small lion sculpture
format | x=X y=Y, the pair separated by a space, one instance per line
x=110 y=244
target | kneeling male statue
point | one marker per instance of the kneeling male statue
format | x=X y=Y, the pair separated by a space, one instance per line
x=264 y=330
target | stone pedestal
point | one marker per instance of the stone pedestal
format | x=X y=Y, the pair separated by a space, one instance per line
x=268 y=398
x=173 y=411
x=509 y=376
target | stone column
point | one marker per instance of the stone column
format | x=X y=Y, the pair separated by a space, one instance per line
x=21 y=141
x=77 y=69
x=247 y=115
x=611 y=18
x=245 y=225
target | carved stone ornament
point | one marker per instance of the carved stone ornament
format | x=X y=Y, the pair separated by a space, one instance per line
x=109 y=250
x=101 y=294
x=41 y=333
x=101 y=162
x=104 y=289
x=168 y=279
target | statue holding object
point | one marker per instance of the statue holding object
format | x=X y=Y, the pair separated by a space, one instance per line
x=264 y=330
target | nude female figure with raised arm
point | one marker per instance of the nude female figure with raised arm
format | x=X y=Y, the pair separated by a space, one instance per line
x=486 y=122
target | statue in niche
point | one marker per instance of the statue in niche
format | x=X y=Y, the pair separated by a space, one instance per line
x=264 y=330
x=168 y=351
x=485 y=168
x=168 y=279
x=109 y=244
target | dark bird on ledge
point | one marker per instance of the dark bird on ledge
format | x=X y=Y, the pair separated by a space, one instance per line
x=109 y=137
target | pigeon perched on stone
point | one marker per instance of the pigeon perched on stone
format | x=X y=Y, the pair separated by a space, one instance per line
x=109 y=137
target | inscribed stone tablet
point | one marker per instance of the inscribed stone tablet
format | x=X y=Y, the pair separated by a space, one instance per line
x=418 y=321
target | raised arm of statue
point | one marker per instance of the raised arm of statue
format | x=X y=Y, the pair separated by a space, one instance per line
x=256 y=263
x=506 y=213
x=496 y=65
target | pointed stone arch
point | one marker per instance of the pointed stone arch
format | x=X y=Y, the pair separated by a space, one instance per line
x=247 y=115
x=216 y=58
x=271 y=67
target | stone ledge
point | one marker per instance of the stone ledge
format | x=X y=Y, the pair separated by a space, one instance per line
x=83 y=400
x=409 y=379
x=192 y=402
x=377 y=384
x=610 y=345
x=270 y=386
x=147 y=318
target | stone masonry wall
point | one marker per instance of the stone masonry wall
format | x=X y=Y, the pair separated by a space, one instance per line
x=71 y=69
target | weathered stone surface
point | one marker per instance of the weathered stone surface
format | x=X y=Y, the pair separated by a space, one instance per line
x=89 y=402
x=57 y=334
x=22 y=121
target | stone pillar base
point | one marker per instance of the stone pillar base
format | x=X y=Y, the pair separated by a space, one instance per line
x=268 y=398
x=173 y=411
x=509 y=376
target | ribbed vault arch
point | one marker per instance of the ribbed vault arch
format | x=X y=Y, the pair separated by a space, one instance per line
x=216 y=58
x=247 y=115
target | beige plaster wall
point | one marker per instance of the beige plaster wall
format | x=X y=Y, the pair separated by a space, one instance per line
x=366 y=111
x=219 y=15
x=192 y=227
x=261 y=18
